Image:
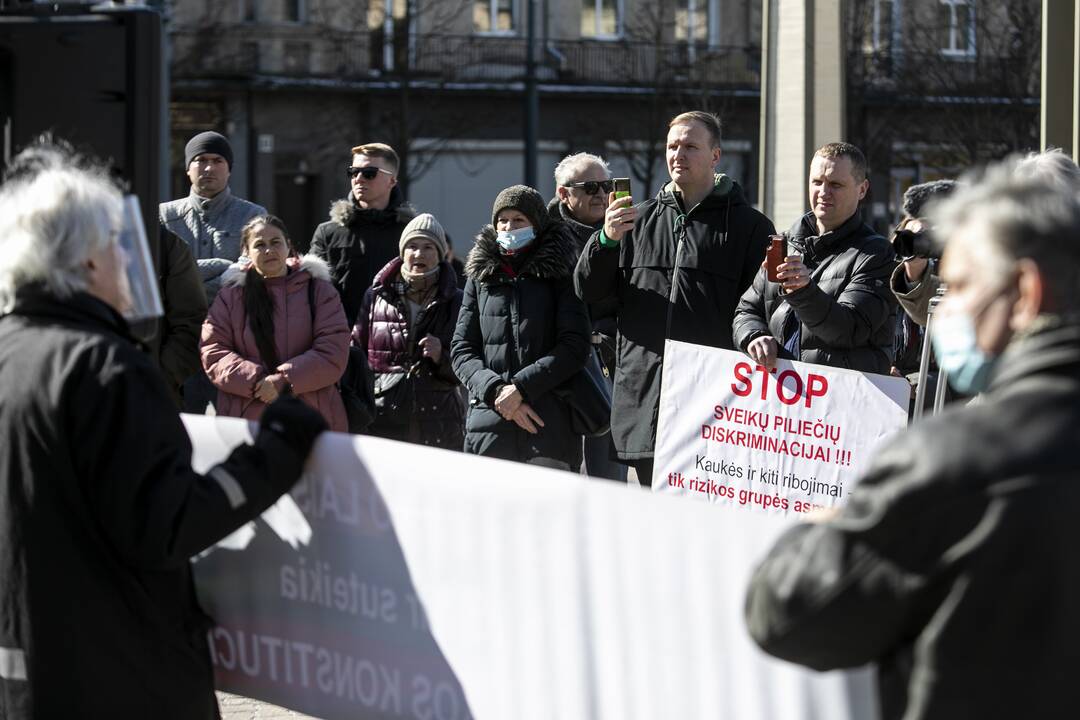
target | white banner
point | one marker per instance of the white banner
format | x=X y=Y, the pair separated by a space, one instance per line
x=783 y=441
x=407 y=582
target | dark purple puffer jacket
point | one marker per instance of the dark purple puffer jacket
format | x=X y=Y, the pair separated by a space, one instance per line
x=383 y=331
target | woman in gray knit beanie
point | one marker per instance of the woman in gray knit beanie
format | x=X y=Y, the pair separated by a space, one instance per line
x=522 y=333
x=404 y=326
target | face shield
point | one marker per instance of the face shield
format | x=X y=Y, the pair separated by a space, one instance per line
x=140 y=296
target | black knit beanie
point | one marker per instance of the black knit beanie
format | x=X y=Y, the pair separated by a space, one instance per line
x=208 y=142
x=526 y=201
x=917 y=196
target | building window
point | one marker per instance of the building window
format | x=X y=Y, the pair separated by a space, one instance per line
x=296 y=11
x=249 y=56
x=697 y=22
x=248 y=10
x=882 y=40
x=957 y=24
x=297 y=57
x=601 y=18
x=494 y=16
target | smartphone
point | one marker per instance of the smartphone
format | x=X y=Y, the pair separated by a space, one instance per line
x=622 y=188
x=774 y=256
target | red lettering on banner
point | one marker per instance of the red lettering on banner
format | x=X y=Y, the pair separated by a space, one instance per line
x=815 y=385
x=742 y=371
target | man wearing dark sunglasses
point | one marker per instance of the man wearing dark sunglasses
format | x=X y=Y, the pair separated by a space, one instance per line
x=362 y=233
x=582 y=184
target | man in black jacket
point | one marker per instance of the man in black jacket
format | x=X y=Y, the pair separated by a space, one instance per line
x=176 y=345
x=675 y=266
x=953 y=567
x=582 y=184
x=101 y=510
x=832 y=304
x=362 y=233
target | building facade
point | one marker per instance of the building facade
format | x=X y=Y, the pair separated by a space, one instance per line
x=296 y=83
x=933 y=86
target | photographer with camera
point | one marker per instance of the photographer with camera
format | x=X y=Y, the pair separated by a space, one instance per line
x=914 y=281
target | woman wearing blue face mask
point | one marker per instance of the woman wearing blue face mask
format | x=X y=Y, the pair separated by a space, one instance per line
x=521 y=333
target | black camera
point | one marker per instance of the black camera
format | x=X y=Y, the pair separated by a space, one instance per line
x=909 y=244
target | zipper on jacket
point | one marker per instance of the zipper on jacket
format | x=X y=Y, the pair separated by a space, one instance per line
x=515 y=314
x=680 y=233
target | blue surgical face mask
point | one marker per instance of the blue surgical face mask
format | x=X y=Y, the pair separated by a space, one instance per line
x=514 y=241
x=958 y=353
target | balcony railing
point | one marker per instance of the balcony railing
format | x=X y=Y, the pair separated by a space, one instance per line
x=470 y=59
x=935 y=74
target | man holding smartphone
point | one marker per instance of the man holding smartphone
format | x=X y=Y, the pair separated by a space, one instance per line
x=583 y=185
x=675 y=267
x=831 y=303
x=362 y=233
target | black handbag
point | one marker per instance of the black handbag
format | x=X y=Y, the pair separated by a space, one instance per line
x=357 y=391
x=394 y=397
x=587 y=396
x=356 y=385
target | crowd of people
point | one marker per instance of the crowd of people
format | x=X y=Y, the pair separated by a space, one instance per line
x=961 y=522
x=480 y=358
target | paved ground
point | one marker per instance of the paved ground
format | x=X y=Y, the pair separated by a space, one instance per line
x=235 y=707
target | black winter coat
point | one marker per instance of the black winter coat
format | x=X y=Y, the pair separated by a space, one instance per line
x=176 y=345
x=953 y=567
x=529 y=329
x=101 y=512
x=677 y=275
x=357 y=244
x=848 y=313
x=602 y=314
x=434 y=411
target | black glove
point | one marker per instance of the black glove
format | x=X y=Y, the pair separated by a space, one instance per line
x=295 y=422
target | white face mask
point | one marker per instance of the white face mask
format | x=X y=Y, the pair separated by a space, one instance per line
x=514 y=241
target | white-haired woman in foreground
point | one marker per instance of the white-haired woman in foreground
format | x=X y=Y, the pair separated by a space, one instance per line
x=101 y=509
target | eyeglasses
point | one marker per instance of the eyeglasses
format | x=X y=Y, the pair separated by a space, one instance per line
x=591 y=187
x=368 y=172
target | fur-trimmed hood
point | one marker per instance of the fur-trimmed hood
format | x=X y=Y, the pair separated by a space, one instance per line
x=551 y=257
x=345 y=212
x=313 y=265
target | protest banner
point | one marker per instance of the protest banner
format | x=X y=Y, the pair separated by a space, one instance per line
x=399 y=581
x=786 y=441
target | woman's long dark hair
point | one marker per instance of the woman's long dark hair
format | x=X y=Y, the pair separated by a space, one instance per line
x=258 y=305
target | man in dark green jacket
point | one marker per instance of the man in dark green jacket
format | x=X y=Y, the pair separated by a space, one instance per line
x=676 y=266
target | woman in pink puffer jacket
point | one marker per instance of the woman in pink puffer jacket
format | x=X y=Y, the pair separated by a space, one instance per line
x=262 y=334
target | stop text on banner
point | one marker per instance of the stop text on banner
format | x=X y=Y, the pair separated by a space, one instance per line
x=788 y=439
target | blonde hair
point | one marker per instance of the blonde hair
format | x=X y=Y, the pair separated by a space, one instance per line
x=379 y=150
x=708 y=119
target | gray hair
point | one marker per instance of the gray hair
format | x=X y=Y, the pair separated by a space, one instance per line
x=56 y=210
x=1054 y=165
x=1023 y=215
x=571 y=164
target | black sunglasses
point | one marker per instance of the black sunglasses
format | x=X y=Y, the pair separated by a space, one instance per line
x=368 y=171
x=591 y=187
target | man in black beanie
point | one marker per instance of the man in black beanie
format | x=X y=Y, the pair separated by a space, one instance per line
x=209 y=220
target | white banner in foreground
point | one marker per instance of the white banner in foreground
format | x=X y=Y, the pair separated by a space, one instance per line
x=408 y=582
x=785 y=441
